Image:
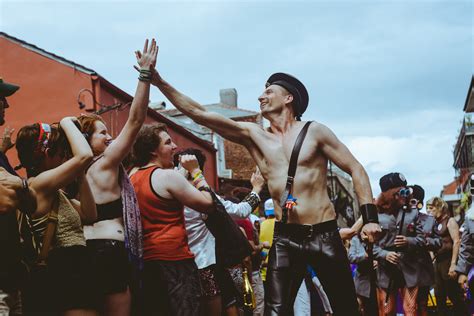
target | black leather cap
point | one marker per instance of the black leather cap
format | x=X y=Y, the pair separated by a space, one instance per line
x=295 y=87
x=392 y=180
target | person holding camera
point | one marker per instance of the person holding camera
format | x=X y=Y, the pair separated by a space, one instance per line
x=396 y=249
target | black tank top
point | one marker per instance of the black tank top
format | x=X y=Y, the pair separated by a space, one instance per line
x=110 y=210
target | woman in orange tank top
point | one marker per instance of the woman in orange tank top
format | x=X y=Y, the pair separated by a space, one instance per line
x=171 y=281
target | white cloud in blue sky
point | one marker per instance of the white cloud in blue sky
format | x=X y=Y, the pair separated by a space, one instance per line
x=389 y=77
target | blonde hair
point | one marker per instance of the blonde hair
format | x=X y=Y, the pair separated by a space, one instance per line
x=439 y=204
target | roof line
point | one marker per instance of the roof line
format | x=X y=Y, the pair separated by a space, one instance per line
x=468 y=93
x=186 y=132
x=110 y=85
x=47 y=54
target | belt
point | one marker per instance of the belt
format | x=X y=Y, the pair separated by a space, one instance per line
x=105 y=242
x=304 y=230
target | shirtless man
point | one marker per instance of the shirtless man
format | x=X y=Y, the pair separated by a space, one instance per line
x=311 y=223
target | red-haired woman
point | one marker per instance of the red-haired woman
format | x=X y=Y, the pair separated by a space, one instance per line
x=116 y=238
x=43 y=151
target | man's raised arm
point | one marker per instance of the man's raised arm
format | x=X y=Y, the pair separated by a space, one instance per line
x=227 y=128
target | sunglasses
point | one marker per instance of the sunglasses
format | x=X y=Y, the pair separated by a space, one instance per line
x=403 y=192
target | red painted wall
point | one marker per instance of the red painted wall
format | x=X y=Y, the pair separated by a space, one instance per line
x=49 y=91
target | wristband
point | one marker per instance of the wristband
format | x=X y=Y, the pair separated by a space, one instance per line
x=197 y=175
x=253 y=199
x=25 y=189
x=369 y=213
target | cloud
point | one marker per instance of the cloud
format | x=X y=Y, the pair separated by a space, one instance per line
x=424 y=157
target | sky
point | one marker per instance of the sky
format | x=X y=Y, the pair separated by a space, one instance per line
x=390 y=78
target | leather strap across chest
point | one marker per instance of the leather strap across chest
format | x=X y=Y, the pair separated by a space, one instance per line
x=292 y=170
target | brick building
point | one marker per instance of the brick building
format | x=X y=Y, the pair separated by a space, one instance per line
x=52 y=87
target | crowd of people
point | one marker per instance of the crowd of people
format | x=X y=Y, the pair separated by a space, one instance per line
x=130 y=226
x=415 y=252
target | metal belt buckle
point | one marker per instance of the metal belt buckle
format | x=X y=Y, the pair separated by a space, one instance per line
x=310 y=230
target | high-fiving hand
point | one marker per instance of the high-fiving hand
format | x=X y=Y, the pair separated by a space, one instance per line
x=147 y=59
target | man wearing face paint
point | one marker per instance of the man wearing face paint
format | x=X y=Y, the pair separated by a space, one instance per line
x=14 y=194
x=397 y=253
x=309 y=233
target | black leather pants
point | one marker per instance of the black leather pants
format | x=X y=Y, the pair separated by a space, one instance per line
x=320 y=246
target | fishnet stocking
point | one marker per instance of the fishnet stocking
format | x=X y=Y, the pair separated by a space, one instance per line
x=409 y=300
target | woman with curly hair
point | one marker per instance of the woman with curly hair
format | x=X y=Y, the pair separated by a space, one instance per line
x=171 y=283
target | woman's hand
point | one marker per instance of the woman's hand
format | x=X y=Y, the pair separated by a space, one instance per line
x=147 y=59
x=189 y=162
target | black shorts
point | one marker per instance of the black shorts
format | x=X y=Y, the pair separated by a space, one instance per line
x=111 y=267
x=72 y=284
x=171 y=288
x=207 y=277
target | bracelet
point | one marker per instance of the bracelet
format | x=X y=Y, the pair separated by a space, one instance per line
x=197 y=175
x=369 y=213
x=145 y=75
x=144 y=78
x=253 y=199
x=200 y=181
x=25 y=189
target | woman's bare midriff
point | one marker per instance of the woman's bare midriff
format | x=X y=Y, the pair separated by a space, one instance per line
x=106 y=229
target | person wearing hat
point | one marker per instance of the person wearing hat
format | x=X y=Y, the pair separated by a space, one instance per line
x=428 y=242
x=266 y=234
x=397 y=253
x=312 y=217
x=6 y=90
x=15 y=193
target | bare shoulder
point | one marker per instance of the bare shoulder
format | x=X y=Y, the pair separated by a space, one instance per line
x=320 y=130
x=452 y=223
x=255 y=133
x=252 y=127
x=323 y=134
x=166 y=177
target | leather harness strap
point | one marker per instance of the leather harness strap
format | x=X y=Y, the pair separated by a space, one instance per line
x=292 y=171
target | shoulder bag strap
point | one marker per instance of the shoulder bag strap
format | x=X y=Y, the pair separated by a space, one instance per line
x=49 y=233
x=292 y=170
